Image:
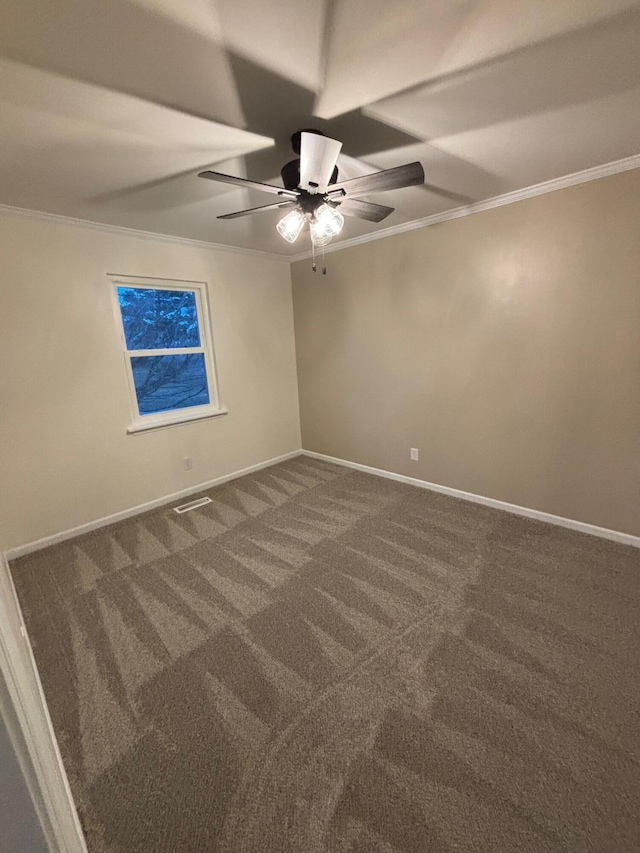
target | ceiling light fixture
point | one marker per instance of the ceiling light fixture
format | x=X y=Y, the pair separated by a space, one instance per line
x=291 y=225
x=324 y=223
x=319 y=236
x=329 y=219
x=312 y=188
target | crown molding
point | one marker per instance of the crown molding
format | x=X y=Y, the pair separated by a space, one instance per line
x=613 y=168
x=592 y=174
x=123 y=231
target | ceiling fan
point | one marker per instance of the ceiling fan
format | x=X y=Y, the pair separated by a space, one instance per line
x=314 y=194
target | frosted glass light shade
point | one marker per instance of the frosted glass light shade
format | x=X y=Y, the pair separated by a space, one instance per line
x=329 y=219
x=291 y=225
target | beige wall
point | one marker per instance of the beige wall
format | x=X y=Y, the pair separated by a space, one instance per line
x=505 y=346
x=65 y=458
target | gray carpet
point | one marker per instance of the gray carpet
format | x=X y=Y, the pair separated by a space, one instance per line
x=322 y=660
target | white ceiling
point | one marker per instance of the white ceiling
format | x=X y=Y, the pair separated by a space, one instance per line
x=109 y=110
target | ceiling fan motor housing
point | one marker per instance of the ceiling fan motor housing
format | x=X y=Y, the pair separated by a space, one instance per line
x=308 y=202
x=290 y=173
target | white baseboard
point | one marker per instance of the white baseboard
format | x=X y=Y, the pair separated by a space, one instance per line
x=36 y=749
x=582 y=526
x=21 y=550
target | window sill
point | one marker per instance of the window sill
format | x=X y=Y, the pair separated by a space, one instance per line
x=161 y=422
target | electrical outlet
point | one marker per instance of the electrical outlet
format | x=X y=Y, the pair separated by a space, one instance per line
x=414 y=454
x=187 y=463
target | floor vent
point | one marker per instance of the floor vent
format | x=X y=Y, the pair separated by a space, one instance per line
x=192 y=505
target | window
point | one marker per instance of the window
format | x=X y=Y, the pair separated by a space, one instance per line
x=168 y=350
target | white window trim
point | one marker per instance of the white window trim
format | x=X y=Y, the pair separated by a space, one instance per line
x=143 y=423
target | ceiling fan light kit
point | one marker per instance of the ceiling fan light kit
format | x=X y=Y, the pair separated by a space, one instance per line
x=291 y=225
x=329 y=219
x=311 y=188
x=319 y=236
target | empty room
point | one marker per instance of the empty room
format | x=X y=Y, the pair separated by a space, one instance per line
x=320 y=426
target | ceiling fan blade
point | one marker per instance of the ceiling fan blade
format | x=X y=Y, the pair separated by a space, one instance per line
x=244 y=182
x=318 y=158
x=249 y=210
x=365 y=209
x=389 y=179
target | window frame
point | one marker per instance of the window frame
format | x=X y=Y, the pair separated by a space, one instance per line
x=172 y=417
